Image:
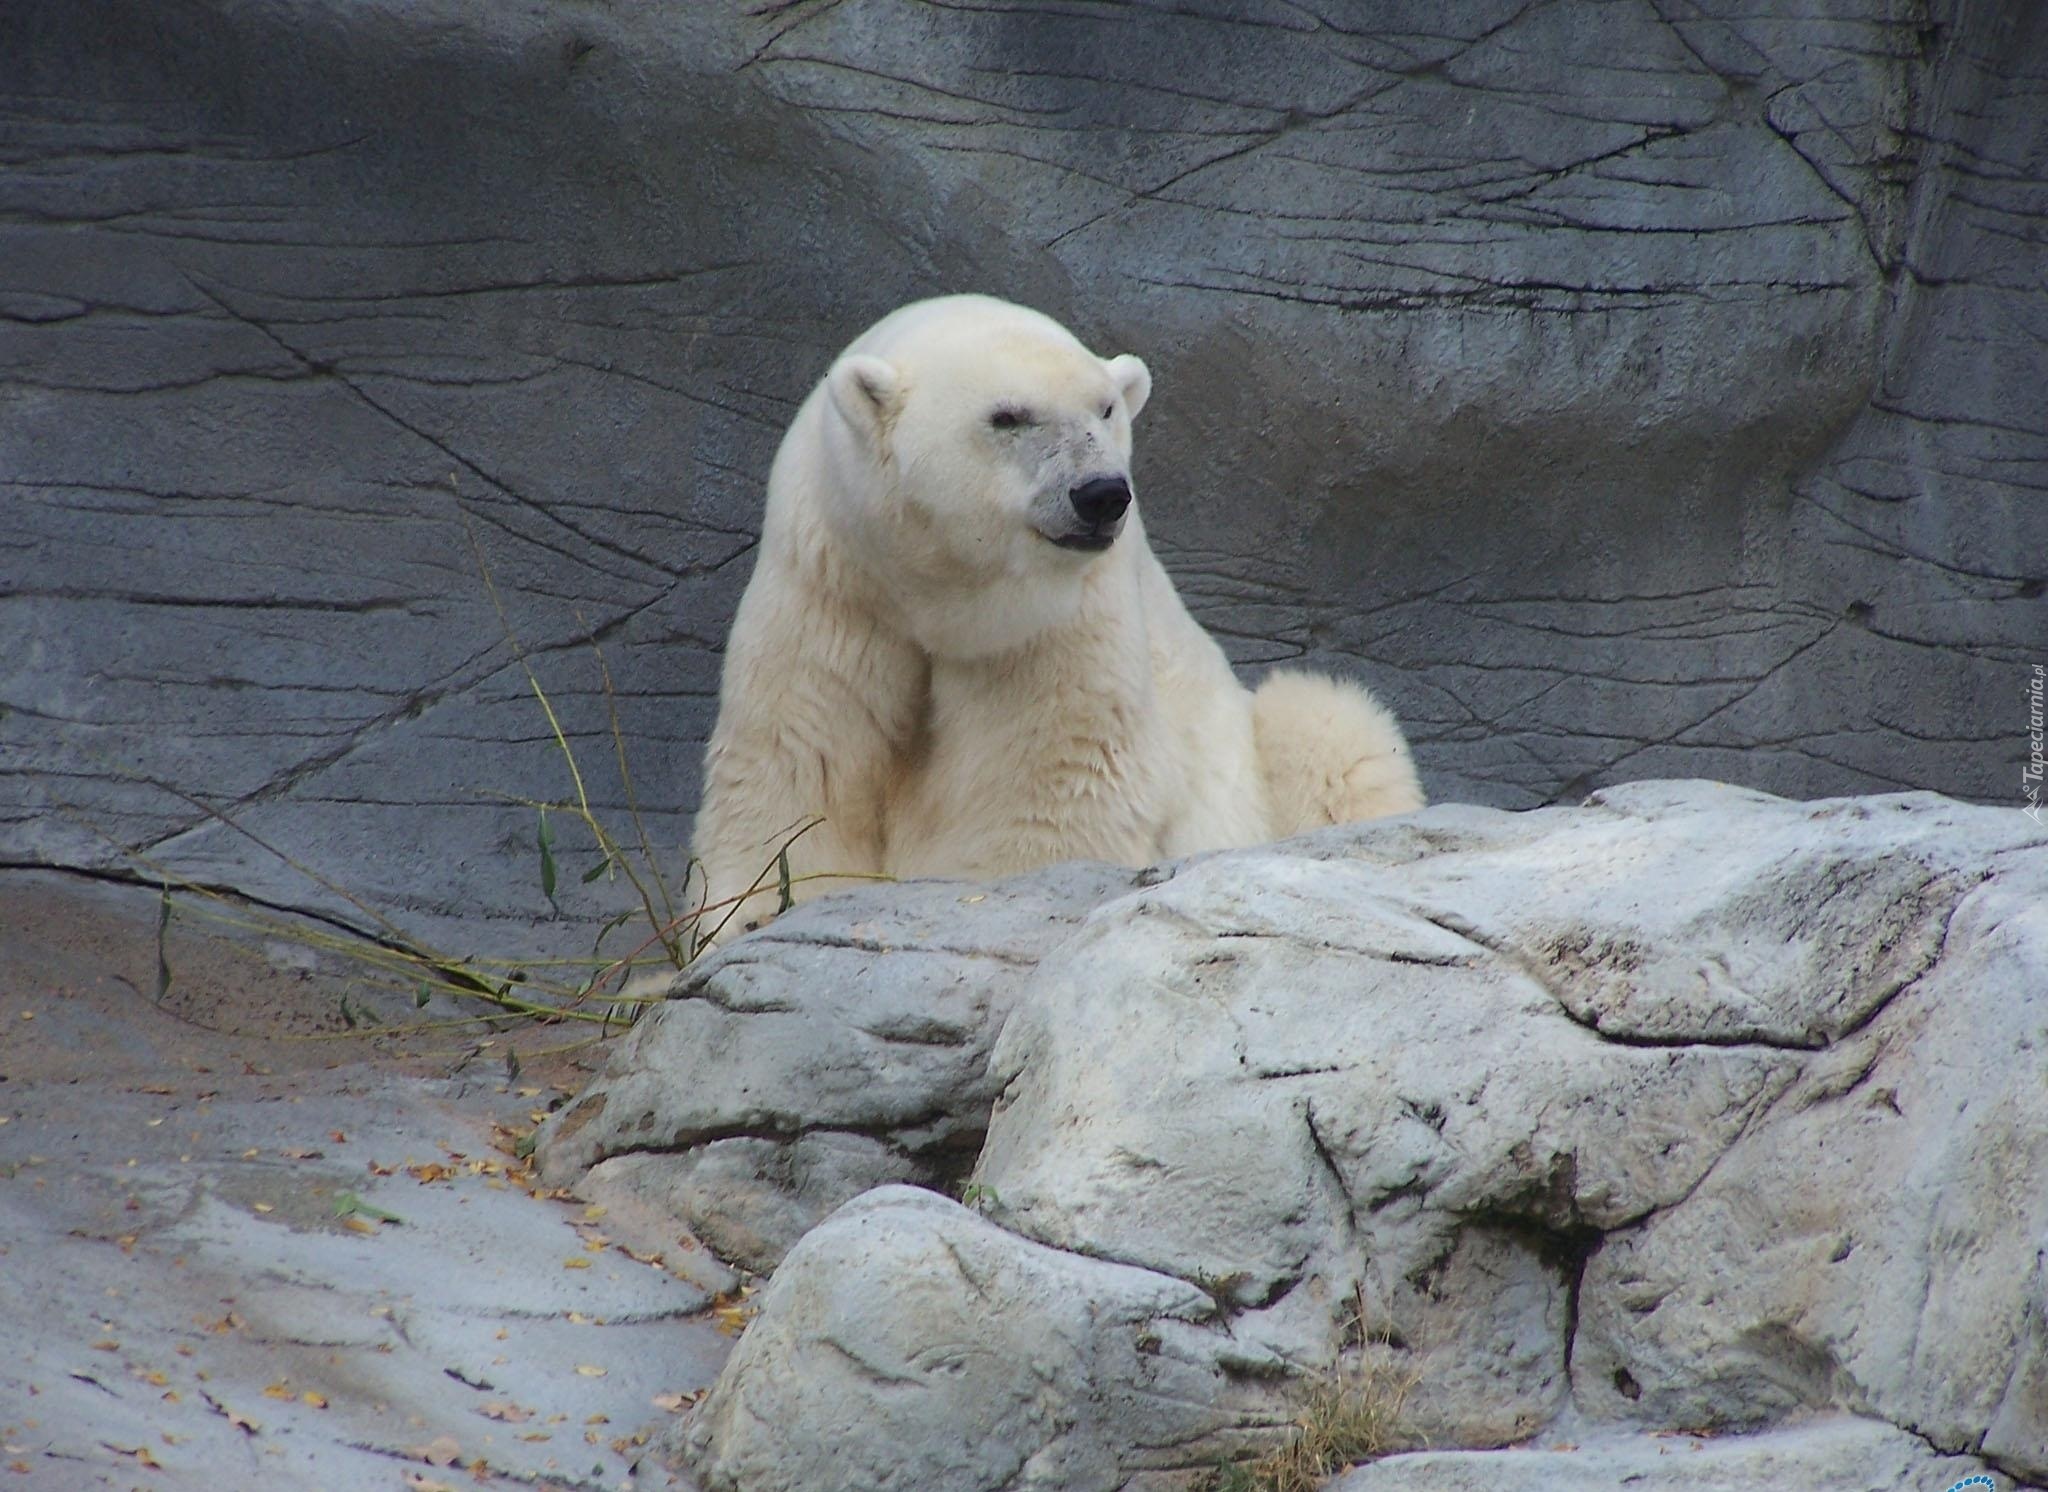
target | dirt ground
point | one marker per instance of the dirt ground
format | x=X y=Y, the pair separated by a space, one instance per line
x=244 y=1244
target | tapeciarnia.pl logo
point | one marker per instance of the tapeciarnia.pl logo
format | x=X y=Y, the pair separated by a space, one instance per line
x=2030 y=776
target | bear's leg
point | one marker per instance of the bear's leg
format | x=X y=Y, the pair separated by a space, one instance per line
x=1330 y=753
x=816 y=711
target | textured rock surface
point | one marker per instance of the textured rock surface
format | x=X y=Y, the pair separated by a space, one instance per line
x=1687 y=1109
x=1627 y=390
x=843 y=1047
x=1841 y=1453
x=984 y=1363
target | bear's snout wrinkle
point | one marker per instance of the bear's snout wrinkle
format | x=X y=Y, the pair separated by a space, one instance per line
x=1102 y=501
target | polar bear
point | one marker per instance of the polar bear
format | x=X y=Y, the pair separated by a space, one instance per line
x=958 y=656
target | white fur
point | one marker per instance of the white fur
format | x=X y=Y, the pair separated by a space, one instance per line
x=917 y=665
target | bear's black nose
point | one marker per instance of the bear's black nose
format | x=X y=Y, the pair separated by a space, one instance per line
x=1102 y=501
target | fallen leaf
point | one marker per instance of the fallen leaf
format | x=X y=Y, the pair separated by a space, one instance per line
x=300 y=1152
x=590 y=1370
x=357 y=1225
x=235 y=1418
x=278 y=1390
x=415 y=1482
x=442 y=1450
x=337 y=1136
x=106 y=1344
x=579 y=1262
x=318 y=1401
x=262 y=1207
x=731 y=1313
x=349 y=1205
x=511 y=1414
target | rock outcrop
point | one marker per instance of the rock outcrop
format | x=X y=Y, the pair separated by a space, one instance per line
x=1689 y=1109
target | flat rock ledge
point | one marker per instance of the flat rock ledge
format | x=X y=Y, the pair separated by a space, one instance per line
x=1686 y=1137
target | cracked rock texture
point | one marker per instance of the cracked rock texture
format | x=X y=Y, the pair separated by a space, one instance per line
x=1625 y=390
x=1688 y=1109
x=843 y=1046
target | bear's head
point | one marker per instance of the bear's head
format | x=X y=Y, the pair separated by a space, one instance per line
x=981 y=461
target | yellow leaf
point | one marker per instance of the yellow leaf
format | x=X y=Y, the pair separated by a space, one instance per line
x=318 y=1401
x=590 y=1370
x=358 y=1224
x=579 y=1262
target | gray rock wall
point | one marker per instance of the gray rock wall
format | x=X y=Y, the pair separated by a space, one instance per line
x=1625 y=390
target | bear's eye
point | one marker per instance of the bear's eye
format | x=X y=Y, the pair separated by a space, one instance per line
x=1009 y=419
x=1108 y=410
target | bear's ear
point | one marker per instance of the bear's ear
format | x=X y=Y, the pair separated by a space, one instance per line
x=866 y=390
x=1133 y=380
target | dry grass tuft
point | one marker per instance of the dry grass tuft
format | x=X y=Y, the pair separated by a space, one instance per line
x=1346 y=1419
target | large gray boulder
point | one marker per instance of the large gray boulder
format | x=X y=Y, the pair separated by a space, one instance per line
x=843 y=1047
x=1835 y=1451
x=1687 y=1109
x=1624 y=391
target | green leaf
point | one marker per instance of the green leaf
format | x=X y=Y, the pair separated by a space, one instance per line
x=523 y=1146
x=611 y=927
x=511 y=1065
x=597 y=870
x=420 y=995
x=547 y=857
x=348 y=1204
